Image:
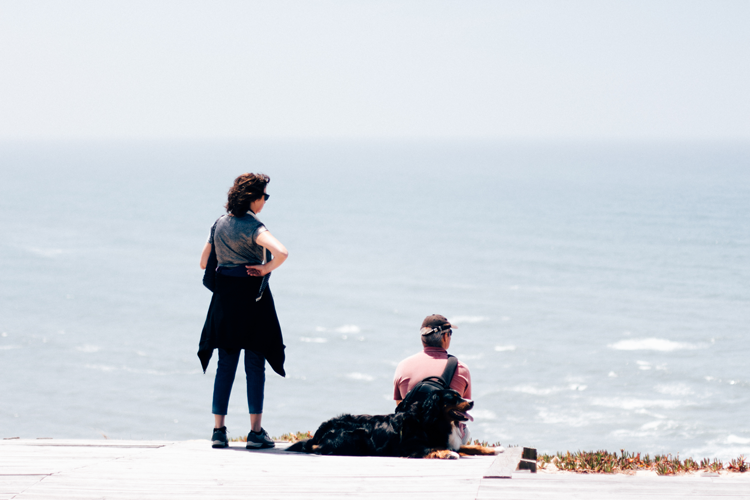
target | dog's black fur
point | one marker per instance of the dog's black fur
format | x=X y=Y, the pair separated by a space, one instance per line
x=418 y=431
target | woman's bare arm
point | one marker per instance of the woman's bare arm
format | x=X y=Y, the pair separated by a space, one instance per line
x=205 y=254
x=279 y=252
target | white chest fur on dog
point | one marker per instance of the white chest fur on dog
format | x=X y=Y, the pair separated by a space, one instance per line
x=454 y=440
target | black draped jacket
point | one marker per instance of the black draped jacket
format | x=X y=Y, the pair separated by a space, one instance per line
x=235 y=320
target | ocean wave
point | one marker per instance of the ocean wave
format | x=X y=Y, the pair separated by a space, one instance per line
x=142 y=371
x=347 y=329
x=724 y=448
x=645 y=365
x=469 y=356
x=148 y=371
x=652 y=344
x=580 y=419
x=648 y=429
x=503 y=348
x=732 y=439
x=483 y=415
x=536 y=391
x=104 y=368
x=458 y=320
x=313 y=340
x=49 y=253
x=677 y=389
x=360 y=376
x=636 y=404
x=9 y=347
x=88 y=348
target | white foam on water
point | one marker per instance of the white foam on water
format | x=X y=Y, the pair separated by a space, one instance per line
x=49 y=253
x=9 y=347
x=651 y=344
x=732 y=439
x=88 y=348
x=676 y=389
x=725 y=448
x=104 y=368
x=313 y=340
x=347 y=329
x=612 y=374
x=577 y=387
x=635 y=403
x=360 y=376
x=320 y=328
x=483 y=415
x=648 y=429
x=659 y=424
x=469 y=356
x=579 y=419
x=503 y=348
x=645 y=365
x=458 y=320
x=146 y=371
x=644 y=411
x=536 y=391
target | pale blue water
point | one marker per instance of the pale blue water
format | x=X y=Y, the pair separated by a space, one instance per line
x=602 y=292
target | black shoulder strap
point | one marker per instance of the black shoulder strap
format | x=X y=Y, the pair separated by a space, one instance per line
x=450 y=370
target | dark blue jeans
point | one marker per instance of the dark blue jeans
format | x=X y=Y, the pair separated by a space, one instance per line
x=255 y=373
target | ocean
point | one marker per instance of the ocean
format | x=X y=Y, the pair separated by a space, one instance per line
x=602 y=291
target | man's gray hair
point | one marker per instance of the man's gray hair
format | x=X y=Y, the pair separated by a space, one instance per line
x=434 y=339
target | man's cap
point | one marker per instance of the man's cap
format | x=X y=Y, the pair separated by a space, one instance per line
x=435 y=323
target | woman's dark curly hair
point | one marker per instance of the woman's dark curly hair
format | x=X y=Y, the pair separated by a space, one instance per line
x=246 y=189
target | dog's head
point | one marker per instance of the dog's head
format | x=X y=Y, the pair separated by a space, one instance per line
x=447 y=405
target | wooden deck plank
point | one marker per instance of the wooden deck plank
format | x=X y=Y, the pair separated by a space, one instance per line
x=189 y=470
x=615 y=487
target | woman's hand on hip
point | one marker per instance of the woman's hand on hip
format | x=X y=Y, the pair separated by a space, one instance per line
x=257 y=270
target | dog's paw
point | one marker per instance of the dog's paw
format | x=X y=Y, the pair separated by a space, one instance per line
x=443 y=454
x=498 y=450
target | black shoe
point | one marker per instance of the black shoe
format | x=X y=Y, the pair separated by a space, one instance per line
x=219 y=439
x=257 y=440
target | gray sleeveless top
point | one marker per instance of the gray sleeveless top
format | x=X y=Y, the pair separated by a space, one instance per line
x=235 y=240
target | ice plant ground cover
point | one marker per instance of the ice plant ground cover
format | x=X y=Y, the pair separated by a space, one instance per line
x=604 y=462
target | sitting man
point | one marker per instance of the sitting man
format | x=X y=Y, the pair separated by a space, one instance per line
x=436 y=335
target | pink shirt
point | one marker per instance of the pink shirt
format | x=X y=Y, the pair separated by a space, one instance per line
x=429 y=363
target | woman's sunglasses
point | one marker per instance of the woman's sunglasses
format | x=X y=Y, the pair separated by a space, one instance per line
x=266 y=196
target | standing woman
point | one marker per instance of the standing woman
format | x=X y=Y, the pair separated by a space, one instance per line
x=242 y=315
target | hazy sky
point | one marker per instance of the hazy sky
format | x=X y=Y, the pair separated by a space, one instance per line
x=480 y=69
